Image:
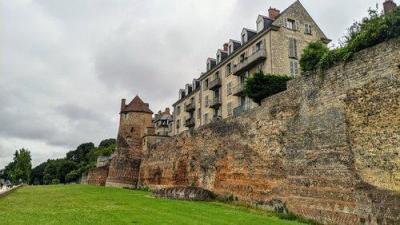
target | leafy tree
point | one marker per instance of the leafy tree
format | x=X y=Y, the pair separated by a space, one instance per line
x=260 y=85
x=81 y=154
x=312 y=55
x=107 y=143
x=20 y=169
x=38 y=174
x=73 y=176
x=372 y=30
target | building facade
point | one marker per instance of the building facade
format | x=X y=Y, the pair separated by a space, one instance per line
x=274 y=47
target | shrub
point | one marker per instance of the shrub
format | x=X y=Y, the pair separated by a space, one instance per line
x=260 y=85
x=55 y=181
x=371 y=31
x=312 y=55
x=72 y=176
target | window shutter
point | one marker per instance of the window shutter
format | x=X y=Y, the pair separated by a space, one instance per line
x=290 y=47
x=295 y=48
x=297 y=25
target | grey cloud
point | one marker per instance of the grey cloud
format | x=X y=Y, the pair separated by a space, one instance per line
x=65 y=65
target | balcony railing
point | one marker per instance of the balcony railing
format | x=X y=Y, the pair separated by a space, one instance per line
x=241 y=109
x=215 y=103
x=215 y=84
x=190 y=123
x=238 y=90
x=250 y=61
x=190 y=107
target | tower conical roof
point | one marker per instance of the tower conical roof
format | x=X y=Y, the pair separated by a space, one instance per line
x=137 y=105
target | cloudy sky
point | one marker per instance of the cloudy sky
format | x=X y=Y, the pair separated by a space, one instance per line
x=65 y=64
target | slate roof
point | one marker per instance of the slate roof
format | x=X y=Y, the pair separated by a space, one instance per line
x=137 y=105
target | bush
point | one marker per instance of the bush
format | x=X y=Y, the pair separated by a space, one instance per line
x=55 y=181
x=260 y=85
x=371 y=31
x=72 y=176
x=312 y=56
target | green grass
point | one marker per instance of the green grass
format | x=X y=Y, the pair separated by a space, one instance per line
x=82 y=204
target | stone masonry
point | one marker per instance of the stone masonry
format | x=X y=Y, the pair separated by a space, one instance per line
x=135 y=118
x=327 y=149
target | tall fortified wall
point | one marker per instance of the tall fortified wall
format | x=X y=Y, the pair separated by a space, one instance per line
x=328 y=148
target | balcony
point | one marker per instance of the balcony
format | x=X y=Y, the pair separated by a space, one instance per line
x=190 y=107
x=250 y=61
x=241 y=109
x=215 y=84
x=190 y=123
x=238 y=90
x=215 y=103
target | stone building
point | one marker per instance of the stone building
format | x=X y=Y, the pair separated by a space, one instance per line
x=274 y=47
x=162 y=122
x=135 y=123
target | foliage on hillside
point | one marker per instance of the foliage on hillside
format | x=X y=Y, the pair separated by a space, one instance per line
x=372 y=30
x=76 y=162
x=260 y=85
x=54 y=171
x=19 y=170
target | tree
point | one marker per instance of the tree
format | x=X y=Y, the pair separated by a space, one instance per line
x=312 y=55
x=260 y=85
x=107 y=143
x=19 y=171
x=38 y=174
x=81 y=154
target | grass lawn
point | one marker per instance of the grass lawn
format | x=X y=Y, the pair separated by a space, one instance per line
x=82 y=204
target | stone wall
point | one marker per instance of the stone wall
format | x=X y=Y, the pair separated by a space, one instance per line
x=327 y=148
x=98 y=176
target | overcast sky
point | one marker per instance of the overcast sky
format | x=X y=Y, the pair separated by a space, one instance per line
x=65 y=64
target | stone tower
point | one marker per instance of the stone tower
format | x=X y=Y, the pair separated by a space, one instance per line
x=135 y=118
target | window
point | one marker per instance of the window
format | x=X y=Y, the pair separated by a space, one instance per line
x=244 y=38
x=178 y=124
x=229 y=108
x=229 y=88
x=228 y=69
x=178 y=110
x=307 y=28
x=206 y=118
x=242 y=57
x=290 y=24
x=205 y=85
x=198 y=113
x=218 y=58
x=230 y=50
x=294 y=68
x=216 y=75
x=258 y=46
x=292 y=48
x=260 y=25
x=206 y=101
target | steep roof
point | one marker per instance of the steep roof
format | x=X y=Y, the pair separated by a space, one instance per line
x=137 y=105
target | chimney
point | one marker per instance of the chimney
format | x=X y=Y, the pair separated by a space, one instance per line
x=226 y=45
x=273 y=13
x=389 y=6
x=123 y=101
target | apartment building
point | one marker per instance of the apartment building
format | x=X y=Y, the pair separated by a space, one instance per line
x=275 y=46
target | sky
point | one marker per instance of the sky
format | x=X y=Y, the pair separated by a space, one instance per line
x=66 y=64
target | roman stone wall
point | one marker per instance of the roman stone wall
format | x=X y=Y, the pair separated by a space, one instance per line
x=98 y=176
x=326 y=149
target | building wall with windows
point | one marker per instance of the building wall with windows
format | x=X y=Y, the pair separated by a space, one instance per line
x=188 y=108
x=275 y=47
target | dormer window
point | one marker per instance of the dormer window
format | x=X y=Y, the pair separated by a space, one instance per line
x=260 y=24
x=244 y=38
x=230 y=51
x=307 y=28
x=291 y=24
x=219 y=57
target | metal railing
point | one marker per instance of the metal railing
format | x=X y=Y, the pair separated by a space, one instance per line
x=249 y=61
